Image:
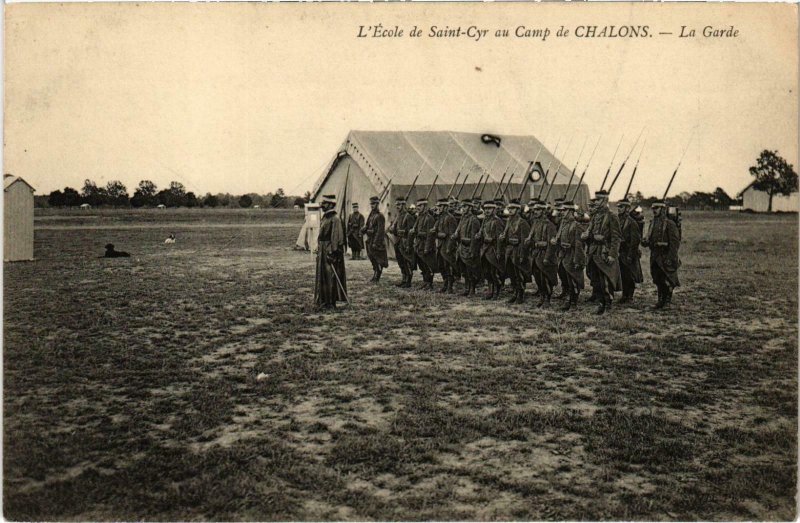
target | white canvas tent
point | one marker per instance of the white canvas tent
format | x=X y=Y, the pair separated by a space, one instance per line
x=369 y=161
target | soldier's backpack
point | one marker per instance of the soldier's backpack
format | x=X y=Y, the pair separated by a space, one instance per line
x=674 y=214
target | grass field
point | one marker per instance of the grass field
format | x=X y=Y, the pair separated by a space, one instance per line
x=130 y=387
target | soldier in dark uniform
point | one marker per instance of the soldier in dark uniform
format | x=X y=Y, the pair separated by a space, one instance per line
x=664 y=242
x=355 y=238
x=405 y=230
x=394 y=231
x=630 y=266
x=516 y=259
x=555 y=217
x=423 y=249
x=491 y=229
x=603 y=238
x=571 y=253
x=469 y=256
x=445 y=227
x=330 y=283
x=375 y=229
x=543 y=261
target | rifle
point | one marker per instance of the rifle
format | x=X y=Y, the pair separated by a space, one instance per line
x=612 y=163
x=678 y=167
x=386 y=189
x=462 y=186
x=414 y=183
x=555 y=173
x=503 y=193
x=427 y=196
x=614 y=181
x=500 y=185
x=457 y=177
x=584 y=171
x=633 y=174
x=476 y=187
x=485 y=183
x=528 y=172
x=571 y=176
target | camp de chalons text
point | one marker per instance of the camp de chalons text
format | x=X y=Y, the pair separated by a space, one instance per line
x=476 y=33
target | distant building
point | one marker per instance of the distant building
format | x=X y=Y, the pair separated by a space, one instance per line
x=18 y=219
x=758 y=201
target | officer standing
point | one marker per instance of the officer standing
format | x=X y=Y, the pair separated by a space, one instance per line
x=603 y=237
x=630 y=266
x=375 y=229
x=355 y=237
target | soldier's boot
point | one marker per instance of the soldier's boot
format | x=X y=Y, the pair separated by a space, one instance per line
x=660 y=303
x=521 y=295
x=490 y=294
x=667 y=296
x=563 y=294
x=472 y=285
x=515 y=297
x=609 y=300
x=450 y=283
x=445 y=280
x=378 y=274
x=603 y=303
x=546 y=301
x=466 y=287
x=567 y=304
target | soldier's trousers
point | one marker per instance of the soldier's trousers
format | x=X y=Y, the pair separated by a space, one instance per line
x=661 y=280
x=427 y=273
x=628 y=283
x=542 y=282
x=402 y=262
x=491 y=272
x=599 y=281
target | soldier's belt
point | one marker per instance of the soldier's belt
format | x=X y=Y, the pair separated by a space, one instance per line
x=441 y=235
x=662 y=244
x=599 y=237
x=565 y=245
x=513 y=241
x=540 y=244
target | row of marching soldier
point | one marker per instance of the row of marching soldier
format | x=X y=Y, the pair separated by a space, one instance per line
x=491 y=242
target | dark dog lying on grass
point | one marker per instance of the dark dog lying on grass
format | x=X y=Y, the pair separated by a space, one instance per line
x=111 y=253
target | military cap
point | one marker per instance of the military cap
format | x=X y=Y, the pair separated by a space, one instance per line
x=569 y=204
x=500 y=203
x=422 y=201
x=329 y=198
x=514 y=204
x=624 y=201
x=374 y=199
x=656 y=205
x=466 y=201
x=489 y=204
x=539 y=204
x=602 y=194
x=476 y=201
x=442 y=201
x=400 y=199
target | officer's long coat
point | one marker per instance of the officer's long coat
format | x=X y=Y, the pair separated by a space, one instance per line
x=330 y=244
x=629 y=253
x=404 y=227
x=604 y=239
x=376 y=238
x=664 y=243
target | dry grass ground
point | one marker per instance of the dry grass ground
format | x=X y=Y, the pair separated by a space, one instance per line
x=130 y=387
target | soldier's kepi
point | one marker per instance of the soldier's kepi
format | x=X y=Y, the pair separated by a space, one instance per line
x=375 y=230
x=330 y=283
x=664 y=242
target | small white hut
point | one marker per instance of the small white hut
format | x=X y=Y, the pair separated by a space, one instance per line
x=18 y=219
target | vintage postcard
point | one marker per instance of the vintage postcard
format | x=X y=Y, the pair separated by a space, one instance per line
x=400 y=261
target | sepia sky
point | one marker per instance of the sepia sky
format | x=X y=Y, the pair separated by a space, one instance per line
x=251 y=97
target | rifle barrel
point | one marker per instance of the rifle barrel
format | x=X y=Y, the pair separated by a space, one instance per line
x=427 y=197
x=678 y=167
x=614 y=181
x=608 y=171
x=458 y=194
x=475 y=191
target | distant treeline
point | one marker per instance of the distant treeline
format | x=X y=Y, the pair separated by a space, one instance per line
x=115 y=194
x=147 y=194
